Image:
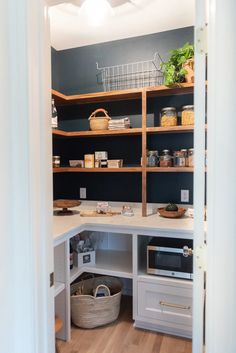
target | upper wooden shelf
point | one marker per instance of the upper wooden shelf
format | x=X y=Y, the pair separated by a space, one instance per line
x=128 y=94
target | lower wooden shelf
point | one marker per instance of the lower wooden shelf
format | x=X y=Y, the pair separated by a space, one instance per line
x=108 y=262
x=124 y=170
x=170 y=169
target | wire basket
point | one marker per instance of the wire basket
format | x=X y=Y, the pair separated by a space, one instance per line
x=132 y=75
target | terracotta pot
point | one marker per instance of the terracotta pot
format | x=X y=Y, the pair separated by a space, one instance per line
x=189 y=67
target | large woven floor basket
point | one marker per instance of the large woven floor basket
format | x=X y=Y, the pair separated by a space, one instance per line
x=88 y=311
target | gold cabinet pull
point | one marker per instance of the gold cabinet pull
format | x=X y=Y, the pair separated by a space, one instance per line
x=178 y=306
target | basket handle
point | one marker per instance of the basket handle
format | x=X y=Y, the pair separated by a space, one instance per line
x=102 y=286
x=99 y=110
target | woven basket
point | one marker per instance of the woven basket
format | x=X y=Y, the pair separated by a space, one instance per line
x=88 y=311
x=99 y=122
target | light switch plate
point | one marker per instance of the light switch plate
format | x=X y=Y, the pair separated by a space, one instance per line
x=184 y=196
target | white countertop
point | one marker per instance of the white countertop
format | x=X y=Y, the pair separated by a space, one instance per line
x=68 y=226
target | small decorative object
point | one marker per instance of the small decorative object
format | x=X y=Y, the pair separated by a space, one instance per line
x=79 y=163
x=127 y=211
x=56 y=161
x=168 y=117
x=99 y=122
x=82 y=259
x=187 y=115
x=171 y=207
x=175 y=70
x=89 y=160
x=65 y=204
x=115 y=163
x=171 y=214
x=103 y=207
x=101 y=155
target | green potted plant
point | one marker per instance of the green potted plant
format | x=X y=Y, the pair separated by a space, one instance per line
x=179 y=67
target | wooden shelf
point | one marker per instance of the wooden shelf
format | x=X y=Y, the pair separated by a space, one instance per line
x=121 y=132
x=108 y=262
x=182 y=88
x=129 y=94
x=124 y=132
x=97 y=170
x=170 y=170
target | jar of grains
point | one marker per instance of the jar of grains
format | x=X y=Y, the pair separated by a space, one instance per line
x=179 y=159
x=152 y=159
x=166 y=159
x=168 y=116
x=191 y=157
x=187 y=115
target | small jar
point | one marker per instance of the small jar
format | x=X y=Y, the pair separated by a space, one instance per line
x=168 y=116
x=152 y=159
x=191 y=157
x=56 y=161
x=179 y=158
x=166 y=159
x=187 y=115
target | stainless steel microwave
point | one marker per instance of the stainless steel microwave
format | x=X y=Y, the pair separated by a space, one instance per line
x=170 y=257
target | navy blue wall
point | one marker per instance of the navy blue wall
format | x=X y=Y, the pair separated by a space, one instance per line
x=75 y=71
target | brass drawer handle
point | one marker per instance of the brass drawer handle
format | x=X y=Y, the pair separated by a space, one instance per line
x=178 y=306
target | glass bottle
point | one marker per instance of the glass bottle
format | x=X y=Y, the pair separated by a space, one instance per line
x=54 y=119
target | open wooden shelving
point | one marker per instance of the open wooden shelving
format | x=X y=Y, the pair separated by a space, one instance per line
x=144 y=94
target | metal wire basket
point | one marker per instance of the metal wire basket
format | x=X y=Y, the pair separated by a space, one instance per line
x=132 y=75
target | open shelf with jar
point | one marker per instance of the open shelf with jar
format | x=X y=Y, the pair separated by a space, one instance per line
x=145 y=131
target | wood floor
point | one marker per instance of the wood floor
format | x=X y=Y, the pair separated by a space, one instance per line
x=122 y=337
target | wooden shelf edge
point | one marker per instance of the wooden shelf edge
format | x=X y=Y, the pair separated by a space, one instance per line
x=88 y=133
x=170 y=170
x=97 y=170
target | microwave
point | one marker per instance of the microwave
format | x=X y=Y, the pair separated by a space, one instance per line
x=170 y=257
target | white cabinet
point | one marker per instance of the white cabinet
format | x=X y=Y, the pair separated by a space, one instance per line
x=165 y=303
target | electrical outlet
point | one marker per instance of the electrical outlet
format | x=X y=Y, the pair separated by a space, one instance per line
x=184 y=195
x=82 y=193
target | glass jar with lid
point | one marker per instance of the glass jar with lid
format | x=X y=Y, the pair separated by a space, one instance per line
x=152 y=159
x=187 y=115
x=191 y=157
x=180 y=158
x=166 y=159
x=168 y=117
x=56 y=161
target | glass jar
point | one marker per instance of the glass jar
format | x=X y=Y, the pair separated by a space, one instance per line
x=168 y=116
x=56 y=161
x=166 y=159
x=191 y=157
x=187 y=115
x=152 y=159
x=180 y=158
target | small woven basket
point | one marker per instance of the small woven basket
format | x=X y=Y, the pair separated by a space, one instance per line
x=88 y=311
x=99 y=122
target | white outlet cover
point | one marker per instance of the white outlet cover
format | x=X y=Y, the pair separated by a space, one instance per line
x=82 y=193
x=184 y=195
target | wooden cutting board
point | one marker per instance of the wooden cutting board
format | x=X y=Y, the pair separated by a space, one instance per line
x=95 y=214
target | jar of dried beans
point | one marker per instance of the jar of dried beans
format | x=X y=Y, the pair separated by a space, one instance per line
x=168 y=116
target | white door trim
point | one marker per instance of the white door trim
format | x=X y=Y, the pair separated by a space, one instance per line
x=26 y=187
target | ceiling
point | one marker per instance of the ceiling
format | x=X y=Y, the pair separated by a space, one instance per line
x=70 y=27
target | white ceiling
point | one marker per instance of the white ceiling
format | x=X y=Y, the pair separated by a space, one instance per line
x=70 y=27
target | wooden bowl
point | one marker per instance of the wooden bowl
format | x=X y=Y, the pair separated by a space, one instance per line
x=171 y=214
x=65 y=204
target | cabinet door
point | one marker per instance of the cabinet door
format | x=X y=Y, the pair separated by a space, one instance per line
x=170 y=304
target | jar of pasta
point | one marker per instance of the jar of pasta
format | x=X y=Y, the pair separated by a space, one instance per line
x=187 y=115
x=168 y=117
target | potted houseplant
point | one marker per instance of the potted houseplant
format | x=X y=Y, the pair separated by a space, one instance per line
x=179 y=68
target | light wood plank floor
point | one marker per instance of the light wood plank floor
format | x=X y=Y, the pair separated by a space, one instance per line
x=122 y=337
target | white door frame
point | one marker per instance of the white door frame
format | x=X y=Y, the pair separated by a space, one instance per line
x=26 y=260
x=27 y=310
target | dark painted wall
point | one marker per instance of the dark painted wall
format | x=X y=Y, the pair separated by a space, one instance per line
x=76 y=70
x=77 y=67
